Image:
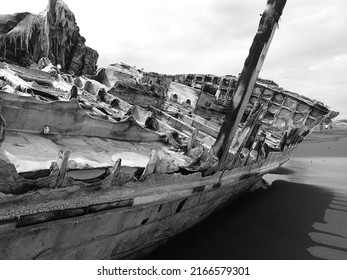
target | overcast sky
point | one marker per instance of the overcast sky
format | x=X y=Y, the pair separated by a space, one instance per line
x=308 y=54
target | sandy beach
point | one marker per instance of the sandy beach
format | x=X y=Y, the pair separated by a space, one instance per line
x=300 y=214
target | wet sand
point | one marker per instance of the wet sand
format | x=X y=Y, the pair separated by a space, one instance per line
x=302 y=215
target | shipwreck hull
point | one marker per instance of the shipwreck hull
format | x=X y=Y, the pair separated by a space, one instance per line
x=151 y=174
x=26 y=114
x=125 y=226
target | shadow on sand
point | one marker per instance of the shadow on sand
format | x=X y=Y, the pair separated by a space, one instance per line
x=277 y=223
x=282 y=171
x=303 y=215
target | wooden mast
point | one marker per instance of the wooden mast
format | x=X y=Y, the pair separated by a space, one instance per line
x=257 y=53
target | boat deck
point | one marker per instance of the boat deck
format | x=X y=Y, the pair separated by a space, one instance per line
x=31 y=152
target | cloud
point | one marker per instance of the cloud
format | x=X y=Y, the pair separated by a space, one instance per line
x=214 y=36
x=308 y=55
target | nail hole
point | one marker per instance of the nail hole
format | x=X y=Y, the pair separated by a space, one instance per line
x=144 y=221
x=180 y=206
x=160 y=207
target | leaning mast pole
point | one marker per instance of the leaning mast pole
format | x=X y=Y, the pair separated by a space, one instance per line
x=254 y=62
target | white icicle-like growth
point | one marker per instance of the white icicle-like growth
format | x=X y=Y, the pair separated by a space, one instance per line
x=25 y=38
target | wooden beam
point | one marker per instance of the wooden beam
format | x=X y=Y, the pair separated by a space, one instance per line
x=2 y=127
x=244 y=88
x=63 y=157
x=114 y=172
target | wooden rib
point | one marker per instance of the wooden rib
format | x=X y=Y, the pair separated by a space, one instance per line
x=193 y=140
x=110 y=180
x=2 y=128
x=63 y=157
x=150 y=168
x=246 y=81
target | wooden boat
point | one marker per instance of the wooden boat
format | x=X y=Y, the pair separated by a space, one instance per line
x=85 y=175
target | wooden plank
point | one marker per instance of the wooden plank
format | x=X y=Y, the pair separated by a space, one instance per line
x=68 y=118
x=2 y=127
x=246 y=81
x=63 y=157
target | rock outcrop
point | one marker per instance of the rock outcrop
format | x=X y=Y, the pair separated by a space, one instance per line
x=26 y=37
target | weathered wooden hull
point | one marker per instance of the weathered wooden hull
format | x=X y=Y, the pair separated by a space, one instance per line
x=127 y=214
x=27 y=114
x=132 y=225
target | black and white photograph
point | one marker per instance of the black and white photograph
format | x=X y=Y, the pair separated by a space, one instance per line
x=187 y=130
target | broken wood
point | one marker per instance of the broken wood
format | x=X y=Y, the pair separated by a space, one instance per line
x=193 y=140
x=250 y=134
x=159 y=162
x=114 y=172
x=150 y=168
x=63 y=157
x=2 y=127
x=268 y=24
x=73 y=92
x=13 y=183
